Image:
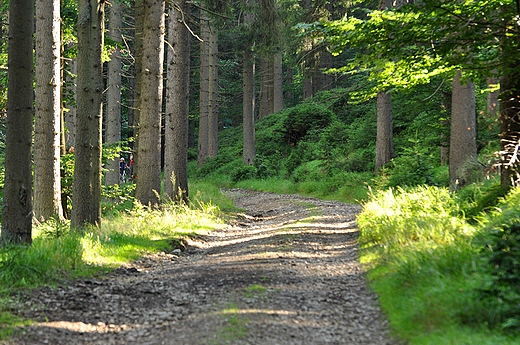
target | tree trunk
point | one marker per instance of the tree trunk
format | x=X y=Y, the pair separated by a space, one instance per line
x=278 y=83
x=270 y=79
x=70 y=114
x=47 y=124
x=248 y=109
x=463 y=135
x=17 y=203
x=263 y=107
x=138 y=67
x=177 y=107
x=148 y=188
x=384 y=138
x=204 y=91
x=213 y=95
x=86 y=197
x=113 y=119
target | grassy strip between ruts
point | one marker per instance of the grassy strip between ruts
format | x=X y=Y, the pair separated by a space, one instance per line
x=429 y=267
x=58 y=252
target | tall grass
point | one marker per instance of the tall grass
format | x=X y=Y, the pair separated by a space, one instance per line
x=428 y=268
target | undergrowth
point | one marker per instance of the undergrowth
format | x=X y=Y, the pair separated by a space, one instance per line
x=441 y=280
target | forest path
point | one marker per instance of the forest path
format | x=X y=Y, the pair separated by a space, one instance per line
x=285 y=272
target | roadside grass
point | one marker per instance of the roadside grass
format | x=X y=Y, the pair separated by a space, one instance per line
x=427 y=265
x=350 y=187
x=59 y=252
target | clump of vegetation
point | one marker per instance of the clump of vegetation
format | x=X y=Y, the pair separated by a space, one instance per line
x=439 y=277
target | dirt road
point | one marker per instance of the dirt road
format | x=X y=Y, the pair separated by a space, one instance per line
x=285 y=272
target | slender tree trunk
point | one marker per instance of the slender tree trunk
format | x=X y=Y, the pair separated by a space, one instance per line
x=463 y=145
x=271 y=82
x=17 y=204
x=148 y=188
x=138 y=66
x=177 y=106
x=278 y=83
x=213 y=95
x=47 y=184
x=113 y=119
x=248 y=109
x=86 y=197
x=384 y=140
x=70 y=112
x=263 y=107
x=204 y=91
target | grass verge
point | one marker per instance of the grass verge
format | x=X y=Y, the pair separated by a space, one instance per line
x=59 y=252
x=427 y=265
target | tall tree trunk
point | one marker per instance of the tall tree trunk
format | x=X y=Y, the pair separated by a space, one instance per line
x=213 y=94
x=148 y=188
x=263 y=106
x=70 y=112
x=384 y=139
x=204 y=91
x=17 y=203
x=249 y=109
x=47 y=124
x=86 y=197
x=278 y=83
x=177 y=106
x=113 y=118
x=138 y=67
x=271 y=82
x=463 y=135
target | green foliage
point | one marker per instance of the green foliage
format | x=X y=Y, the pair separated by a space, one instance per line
x=302 y=118
x=398 y=221
x=479 y=198
x=245 y=172
x=409 y=45
x=503 y=254
x=435 y=284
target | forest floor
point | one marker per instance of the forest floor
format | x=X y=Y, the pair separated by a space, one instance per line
x=285 y=271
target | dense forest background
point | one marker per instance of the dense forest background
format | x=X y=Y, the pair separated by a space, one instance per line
x=410 y=108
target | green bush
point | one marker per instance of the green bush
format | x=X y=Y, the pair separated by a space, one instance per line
x=244 y=172
x=303 y=118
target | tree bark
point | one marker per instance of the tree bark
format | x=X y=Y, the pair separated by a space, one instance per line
x=204 y=91
x=248 y=109
x=86 y=197
x=384 y=138
x=177 y=106
x=463 y=134
x=278 y=83
x=138 y=67
x=70 y=114
x=47 y=123
x=263 y=107
x=270 y=79
x=213 y=94
x=148 y=189
x=113 y=118
x=17 y=203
